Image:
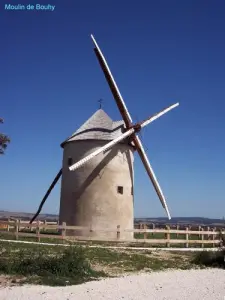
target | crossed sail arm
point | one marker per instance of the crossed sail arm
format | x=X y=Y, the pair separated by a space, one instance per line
x=130 y=131
x=128 y=122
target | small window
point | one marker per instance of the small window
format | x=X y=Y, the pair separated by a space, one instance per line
x=120 y=189
x=70 y=161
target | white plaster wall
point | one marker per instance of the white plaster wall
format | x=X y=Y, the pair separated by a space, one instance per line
x=89 y=195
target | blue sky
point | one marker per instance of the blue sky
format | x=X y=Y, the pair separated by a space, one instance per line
x=160 y=52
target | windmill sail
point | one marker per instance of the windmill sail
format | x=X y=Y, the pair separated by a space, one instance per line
x=131 y=130
x=112 y=84
x=151 y=173
x=56 y=179
x=128 y=122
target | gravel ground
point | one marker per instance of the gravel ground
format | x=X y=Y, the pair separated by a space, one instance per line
x=206 y=284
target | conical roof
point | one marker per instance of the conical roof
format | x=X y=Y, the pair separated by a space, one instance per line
x=98 y=127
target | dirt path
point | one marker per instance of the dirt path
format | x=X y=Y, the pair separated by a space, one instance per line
x=167 y=285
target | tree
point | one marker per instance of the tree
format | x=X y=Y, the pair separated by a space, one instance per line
x=4 y=140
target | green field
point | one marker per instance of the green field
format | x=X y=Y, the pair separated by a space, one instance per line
x=58 y=265
x=11 y=235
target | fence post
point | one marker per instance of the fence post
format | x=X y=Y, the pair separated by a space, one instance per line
x=38 y=231
x=153 y=227
x=45 y=223
x=213 y=236
x=140 y=227
x=145 y=233
x=187 y=237
x=19 y=225
x=8 y=226
x=16 y=228
x=63 y=232
x=202 y=229
x=177 y=229
x=118 y=232
x=208 y=229
x=199 y=229
x=168 y=236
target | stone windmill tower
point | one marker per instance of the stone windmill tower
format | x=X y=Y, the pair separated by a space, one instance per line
x=97 y=173
x=99 y=194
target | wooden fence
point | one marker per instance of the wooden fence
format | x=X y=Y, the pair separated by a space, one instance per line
x=204 y=237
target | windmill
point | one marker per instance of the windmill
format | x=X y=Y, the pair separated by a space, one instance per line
x=97 y=170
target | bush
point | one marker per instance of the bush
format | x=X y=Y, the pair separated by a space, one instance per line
x=212 y=259
x=65 y=267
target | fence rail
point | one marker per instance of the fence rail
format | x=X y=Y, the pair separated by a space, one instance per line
x=52 y=230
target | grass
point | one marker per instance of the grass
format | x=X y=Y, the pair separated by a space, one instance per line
x=57 y=265
x=45 y=266
x=173 y=236
x=11 y=236
x=133 y=261
x=56 y=240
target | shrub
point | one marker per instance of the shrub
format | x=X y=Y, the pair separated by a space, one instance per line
x=212 y=259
